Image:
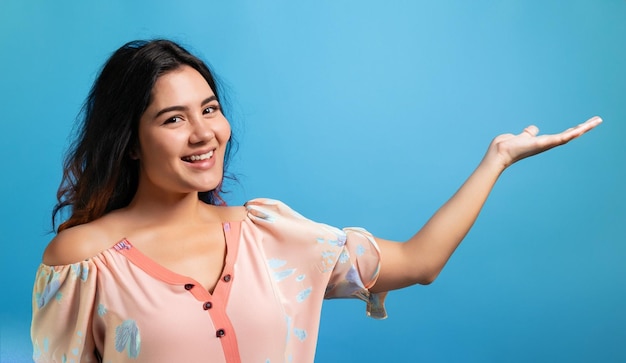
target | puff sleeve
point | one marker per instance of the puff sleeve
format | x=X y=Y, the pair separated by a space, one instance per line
x=63 y=308
x=348 y=259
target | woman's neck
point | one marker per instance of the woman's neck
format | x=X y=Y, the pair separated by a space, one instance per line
x=159 y=207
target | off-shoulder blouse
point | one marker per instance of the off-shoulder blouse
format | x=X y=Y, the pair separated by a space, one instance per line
x=121 y=306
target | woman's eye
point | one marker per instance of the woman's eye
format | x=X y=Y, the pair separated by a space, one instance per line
x=172 y=120
x=211 y=109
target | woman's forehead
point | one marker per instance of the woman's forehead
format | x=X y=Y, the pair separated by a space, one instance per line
x=181 y=85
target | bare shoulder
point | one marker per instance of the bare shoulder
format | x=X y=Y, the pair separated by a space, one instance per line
x=77 y=243
x=234 y=214
x=224 y=213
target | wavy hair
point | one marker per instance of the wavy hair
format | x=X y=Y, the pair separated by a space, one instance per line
x=99 y=174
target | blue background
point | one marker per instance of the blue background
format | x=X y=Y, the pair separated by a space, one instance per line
x=372 y=113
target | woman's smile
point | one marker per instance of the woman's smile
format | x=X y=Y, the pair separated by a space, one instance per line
x=198 y=157
x=201 y=161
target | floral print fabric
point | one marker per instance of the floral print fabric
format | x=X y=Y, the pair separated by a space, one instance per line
x=120 y=306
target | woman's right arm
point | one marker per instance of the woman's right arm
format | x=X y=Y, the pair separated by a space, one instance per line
x=63 y=300
x=63 y=307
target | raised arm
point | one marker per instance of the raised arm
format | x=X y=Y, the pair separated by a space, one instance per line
x=420 y=259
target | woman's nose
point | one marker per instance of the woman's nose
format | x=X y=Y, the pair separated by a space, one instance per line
x=201 y=131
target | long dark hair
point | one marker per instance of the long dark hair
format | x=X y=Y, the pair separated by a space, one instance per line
x=99 y=174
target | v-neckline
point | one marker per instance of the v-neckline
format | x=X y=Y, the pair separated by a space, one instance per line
x=162 y=273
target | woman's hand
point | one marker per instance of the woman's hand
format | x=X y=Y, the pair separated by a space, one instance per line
x=508 y=148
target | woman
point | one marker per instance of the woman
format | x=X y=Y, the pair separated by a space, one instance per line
x=152 y=266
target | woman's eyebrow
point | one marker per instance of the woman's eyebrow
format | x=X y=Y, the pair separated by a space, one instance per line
x=212 y=98
x=183 y=108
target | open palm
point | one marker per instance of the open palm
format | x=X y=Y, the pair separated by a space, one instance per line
x=509 y=148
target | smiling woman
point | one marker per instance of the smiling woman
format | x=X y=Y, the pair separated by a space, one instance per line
x=152 y=266
x=93 y=185
x=182 y=136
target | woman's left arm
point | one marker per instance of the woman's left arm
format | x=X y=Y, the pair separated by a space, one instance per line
x=420 y=259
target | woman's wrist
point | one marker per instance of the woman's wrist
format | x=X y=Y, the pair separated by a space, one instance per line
x=493 y=163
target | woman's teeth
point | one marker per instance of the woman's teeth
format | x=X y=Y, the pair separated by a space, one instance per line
x=199 y=157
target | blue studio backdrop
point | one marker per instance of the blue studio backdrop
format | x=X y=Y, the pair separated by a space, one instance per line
x=371 y=113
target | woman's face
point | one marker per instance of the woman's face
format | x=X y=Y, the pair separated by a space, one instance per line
x=182 y=135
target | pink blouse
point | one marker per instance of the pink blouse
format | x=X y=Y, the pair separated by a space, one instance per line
x=121 y=306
